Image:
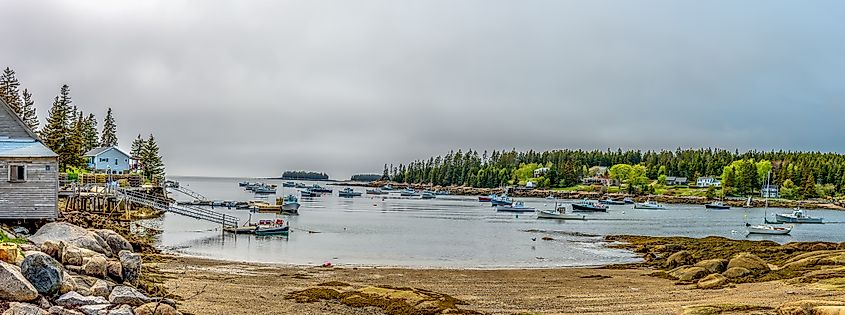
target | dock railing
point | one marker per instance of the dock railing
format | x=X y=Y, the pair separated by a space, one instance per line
x=188 y=211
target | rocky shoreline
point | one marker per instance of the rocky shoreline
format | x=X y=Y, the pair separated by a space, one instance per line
x=596 y=195
x=65 y=269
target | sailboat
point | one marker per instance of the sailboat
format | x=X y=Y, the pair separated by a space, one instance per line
x=766 y=228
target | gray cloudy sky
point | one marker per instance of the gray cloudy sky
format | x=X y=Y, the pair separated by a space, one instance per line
x=251 y=88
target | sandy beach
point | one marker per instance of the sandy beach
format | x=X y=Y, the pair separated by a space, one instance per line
x=220 y=287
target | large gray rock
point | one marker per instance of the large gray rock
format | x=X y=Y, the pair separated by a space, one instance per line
x=72 y=234
x=713 y=265
x=58 y=310
x=713 y=281
x=115 y=242
x=75 y=300
x=51 y=248
x=114 y=270
x=122 y=310
x=101 y=288
x=680 y=258
x=67 y=284
x=14 y=286
x=94 y=309
x=16 y=308
x=74 y=255
x=736 y=272
x=128 y=295
x=95 y=266
x=45 y=273
x=749 y=261
x=131 y=265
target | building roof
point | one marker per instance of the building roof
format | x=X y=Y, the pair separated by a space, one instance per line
x=24 y=148
x=101 y=150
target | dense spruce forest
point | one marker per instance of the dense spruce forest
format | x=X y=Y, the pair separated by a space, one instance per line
x=365 y=177
x=806 y=173
x=304 y=175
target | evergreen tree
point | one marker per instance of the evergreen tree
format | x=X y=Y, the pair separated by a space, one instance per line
x=89 y=133
x=57 y=130
x=74 y=147
x=109 y=137
x=138 y=151
x=151 y=160
x=9 y=90
x=808 y=189
x=28 y=114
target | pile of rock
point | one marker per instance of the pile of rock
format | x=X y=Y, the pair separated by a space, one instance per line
x=712 y=273
x=71 y=271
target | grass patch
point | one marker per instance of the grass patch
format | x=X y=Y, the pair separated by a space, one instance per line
x=6 y=239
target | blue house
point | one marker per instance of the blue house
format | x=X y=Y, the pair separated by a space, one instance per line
x=106 y=159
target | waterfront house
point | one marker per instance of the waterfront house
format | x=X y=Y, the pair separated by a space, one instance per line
x=30 y=188
x=540 y=171
x=675 y=181
x=708 y=181
x=770 y=191
x=108 y=159
x=530 y=184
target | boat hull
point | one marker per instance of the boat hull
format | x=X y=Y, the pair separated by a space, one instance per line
x=272 y=231
x=349 y=195
x=541 y=214
x=647 y=207
x=484 y=199
x=293 y=206
x=587 y=208
x=769 y=231
x=780 y=218
x=717 y=207
x=612 y=202
x=500 y=202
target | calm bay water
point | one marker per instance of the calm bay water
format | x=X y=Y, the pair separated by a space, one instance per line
x=450 y=231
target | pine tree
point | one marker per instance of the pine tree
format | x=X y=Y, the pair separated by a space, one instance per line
x=151 y=160
x=57 y=129
x=89 y=133
x=74 y=147
x=28 y=114
x=109 y=137
x=138 y=150
x=9 y=90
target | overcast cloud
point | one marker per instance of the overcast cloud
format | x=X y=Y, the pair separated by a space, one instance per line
x=252 y=88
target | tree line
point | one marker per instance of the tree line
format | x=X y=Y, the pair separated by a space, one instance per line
x=567 y=168
x=304 y=175
x=71 y=133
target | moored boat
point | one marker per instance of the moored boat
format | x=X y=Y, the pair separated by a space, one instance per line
x=797 y=216
x=549 y=214
x=649 y=205
x=264 y=190
x=376 y=191
x=427 y=195
x=409 y=192
x=628 y=200
x=309 y=193
x=269 y=227
x=300 y=185
x=264 y=207
x=290 y=204
x=768 y=229
x=718 y=205
x=320 y=189
x=288 y=184
x=348 y=193
x=502 y=200
x=611 y=201
x=485 y=198
x=519 y=206
x=588 y=206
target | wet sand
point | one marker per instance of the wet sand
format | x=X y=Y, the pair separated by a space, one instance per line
x=245 y=288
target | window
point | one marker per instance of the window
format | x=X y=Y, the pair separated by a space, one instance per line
x=48 y=167
x=104 y=160
x=17 y=173
x=115 y=161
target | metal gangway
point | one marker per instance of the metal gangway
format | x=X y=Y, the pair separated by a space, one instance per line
x=167 y=206
x=188 y=192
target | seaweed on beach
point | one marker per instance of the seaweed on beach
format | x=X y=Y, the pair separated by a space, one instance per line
x=392 y=300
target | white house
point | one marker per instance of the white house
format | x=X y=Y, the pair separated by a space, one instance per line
x=108 y=159
x=708 y=181
x=770 y=191
x=530 y=184
x=540 y=171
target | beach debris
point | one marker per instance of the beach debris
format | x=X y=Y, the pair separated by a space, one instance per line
x=327 y=264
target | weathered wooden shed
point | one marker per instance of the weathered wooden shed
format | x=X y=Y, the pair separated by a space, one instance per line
x=29 y=171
